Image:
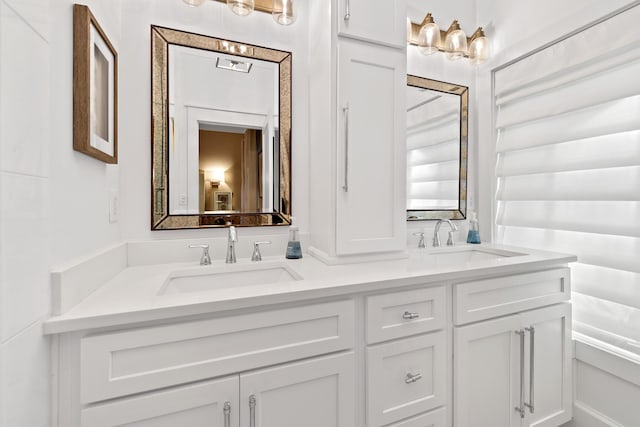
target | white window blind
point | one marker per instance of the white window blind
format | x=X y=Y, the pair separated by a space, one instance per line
x=433 y=153
x=567 y=122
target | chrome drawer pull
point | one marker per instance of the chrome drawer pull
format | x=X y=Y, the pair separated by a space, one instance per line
x=520 y=409
x=227 y=414
x=412 y=378
x=347 y=14
x=410 y=316
x=252 y=411
x=532 y=354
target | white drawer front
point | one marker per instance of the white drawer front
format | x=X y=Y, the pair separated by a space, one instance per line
x=484 y=299
x=405 y=378
x=401 y=314
x=437 y=418
x=120 y=363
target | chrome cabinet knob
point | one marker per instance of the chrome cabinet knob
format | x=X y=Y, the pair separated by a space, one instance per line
x=410 y=316
x=412 y=378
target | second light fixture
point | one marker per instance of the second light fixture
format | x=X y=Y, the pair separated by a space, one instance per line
x=283 y=11
x=453 y=42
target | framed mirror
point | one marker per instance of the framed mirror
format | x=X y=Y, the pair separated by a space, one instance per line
x=221 y=132
x=437 y=140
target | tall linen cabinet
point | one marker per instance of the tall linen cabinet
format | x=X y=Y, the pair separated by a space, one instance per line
x=357 y=127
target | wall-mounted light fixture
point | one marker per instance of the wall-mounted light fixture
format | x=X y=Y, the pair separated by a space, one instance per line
x=453 y=43
x=283 y=11
x=215 y=177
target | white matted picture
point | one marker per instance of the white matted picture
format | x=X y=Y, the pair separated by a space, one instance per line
x=222 y=200
x=95 y=88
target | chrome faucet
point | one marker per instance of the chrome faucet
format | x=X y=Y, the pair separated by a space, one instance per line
x=436 y=237
x=231 y=245
x=257 y=256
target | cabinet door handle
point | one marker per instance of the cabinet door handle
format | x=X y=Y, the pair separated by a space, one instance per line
x=520 y=409
x=410 y=316
x=227 y=414
x=532 y=353
x=412 y=378
x=345 y=110
x=252 y=411
x=347 y=14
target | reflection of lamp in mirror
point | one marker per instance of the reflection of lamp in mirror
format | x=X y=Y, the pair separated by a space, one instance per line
x=455 y=43
x=479 y=47
x=283 y=12
x=215 y=177
x=241 y=7
x=429 y=36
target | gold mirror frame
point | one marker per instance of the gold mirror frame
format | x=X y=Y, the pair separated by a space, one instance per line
x=161 y=219
x=463 y=93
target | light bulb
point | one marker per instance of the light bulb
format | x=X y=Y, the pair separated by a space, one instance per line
x=241 y=7
x=194 y=3
x=429 y=39
x=283 y=12
x=455 y=44
x=479 y=47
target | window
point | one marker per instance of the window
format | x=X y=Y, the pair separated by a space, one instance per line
x=567 y=126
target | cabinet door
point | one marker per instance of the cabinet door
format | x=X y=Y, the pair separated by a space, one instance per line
x=314 y=393
x=379 y=21
x=548 y=373
x=371 y=149
x=209 y=404
x=487 y=373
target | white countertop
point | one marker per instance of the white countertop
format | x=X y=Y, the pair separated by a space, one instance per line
x=134 y=295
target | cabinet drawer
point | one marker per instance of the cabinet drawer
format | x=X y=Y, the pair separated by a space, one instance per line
x=121 y=363
x=405 y=378
x=401 y=314
x=484 y=299
x=437 y=418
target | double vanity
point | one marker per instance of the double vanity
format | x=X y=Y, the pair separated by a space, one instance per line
x=411 y=342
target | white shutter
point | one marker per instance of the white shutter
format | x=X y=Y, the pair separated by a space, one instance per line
x=568 y=168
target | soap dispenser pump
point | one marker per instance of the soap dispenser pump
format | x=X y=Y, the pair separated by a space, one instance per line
x=474 y=230
x=294 y=251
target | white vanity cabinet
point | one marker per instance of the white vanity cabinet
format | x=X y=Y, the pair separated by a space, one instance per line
x=357 y=110
x=378 y=21
x=370 y=201
x=314 y=393
x=514 y=370
x=406 y=357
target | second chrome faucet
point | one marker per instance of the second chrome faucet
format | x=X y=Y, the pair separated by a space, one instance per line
x=232 y=238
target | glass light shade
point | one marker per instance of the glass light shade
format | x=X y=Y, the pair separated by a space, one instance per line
x=241 y=7
x=429 y=38
x=479 y=50
x=409 y=32
x=283 y=12
x=194 y=3
x=455 y=45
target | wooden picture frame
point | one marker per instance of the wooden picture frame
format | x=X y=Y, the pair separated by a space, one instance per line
x=95 y=88
x=222 y=200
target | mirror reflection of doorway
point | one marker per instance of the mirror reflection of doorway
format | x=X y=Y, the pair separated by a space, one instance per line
x=230 y=164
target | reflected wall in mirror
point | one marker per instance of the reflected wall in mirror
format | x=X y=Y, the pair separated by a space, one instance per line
x=221 y=119
x=437 y=138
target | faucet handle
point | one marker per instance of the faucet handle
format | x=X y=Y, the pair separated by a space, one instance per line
x=206 y=259
x=421 y=243
x=450 y=241
x=257 y=256
x=233 y=235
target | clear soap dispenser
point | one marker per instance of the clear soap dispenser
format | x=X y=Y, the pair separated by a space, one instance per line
x=474 y=230
x=294 y=251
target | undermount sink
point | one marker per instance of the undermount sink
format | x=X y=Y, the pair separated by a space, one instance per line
x=202 y=279
x=466 y=255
